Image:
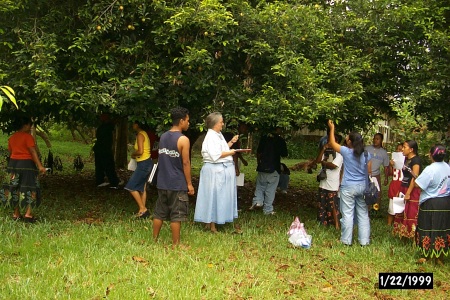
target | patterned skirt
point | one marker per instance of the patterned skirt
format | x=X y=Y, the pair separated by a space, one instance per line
x=21 y=187
x=328 y=207
x=405 y=223
x=433 y=227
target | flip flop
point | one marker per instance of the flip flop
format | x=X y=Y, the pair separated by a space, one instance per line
x=29 y=219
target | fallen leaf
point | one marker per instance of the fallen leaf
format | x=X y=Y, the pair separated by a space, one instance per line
x=351 y=274
x=365 y=279
x=421 y=260
x=151 y=292
x=327 y=288
x=210 y=265
x=109 y=288
x=282 y=267
x=139 y=259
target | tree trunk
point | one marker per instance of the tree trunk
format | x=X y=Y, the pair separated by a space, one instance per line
x=43 y=136
x=121 y=143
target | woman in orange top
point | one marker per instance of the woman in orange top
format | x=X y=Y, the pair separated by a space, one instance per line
x=22 y=189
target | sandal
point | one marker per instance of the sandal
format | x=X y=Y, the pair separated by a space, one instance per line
x=29 y=219
x=144 y=215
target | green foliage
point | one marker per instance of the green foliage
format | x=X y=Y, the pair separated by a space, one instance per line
x=286 y=63
x=10 y=94
x=413 y=126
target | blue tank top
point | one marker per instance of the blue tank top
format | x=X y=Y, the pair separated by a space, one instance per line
x=170 y=163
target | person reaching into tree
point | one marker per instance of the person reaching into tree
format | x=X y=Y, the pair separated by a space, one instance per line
x=352 y=204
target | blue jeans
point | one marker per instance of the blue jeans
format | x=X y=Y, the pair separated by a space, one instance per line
x=266 y=187
x=352 y=202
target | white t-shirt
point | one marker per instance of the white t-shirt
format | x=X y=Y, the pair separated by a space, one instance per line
x=333 y=175
x=213 y=146
x=434 y=181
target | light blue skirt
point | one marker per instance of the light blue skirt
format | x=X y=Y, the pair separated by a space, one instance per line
x=217 y=194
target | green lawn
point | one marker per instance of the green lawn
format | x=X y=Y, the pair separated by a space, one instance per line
x=87 y=246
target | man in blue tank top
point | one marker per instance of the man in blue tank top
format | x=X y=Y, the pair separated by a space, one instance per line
x=174 y=176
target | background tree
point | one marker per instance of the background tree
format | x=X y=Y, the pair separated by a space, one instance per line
x=268 y=63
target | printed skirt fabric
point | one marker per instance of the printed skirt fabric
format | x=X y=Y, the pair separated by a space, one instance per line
x=21 y=186
x=328 y=205
x=405 y=223
x=433 y=227
x=217 y=194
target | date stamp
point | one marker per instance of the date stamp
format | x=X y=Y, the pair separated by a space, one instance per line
x=405 y=281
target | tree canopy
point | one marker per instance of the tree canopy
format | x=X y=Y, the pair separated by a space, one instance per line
x=267 y=63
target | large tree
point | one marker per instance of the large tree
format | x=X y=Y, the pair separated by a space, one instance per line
x=268 y=63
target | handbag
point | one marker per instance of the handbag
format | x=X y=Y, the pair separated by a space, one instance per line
x=371 y=191
x=322 y=175
x=132 y=164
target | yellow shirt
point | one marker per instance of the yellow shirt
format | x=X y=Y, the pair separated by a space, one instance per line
x=146 y=153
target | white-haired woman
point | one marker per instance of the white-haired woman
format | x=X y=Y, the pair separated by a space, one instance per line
x=217 y=194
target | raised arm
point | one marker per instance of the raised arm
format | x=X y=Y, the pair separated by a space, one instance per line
x=331 y=140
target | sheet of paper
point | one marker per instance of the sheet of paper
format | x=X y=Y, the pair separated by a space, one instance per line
x=240 y=179
x=398 y=204
x=398 y=159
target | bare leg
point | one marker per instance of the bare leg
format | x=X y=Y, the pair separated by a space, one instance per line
x=28 y=213
x=138 y=198
x=213 y=227
x=144 y=195
x=390 y=219
x=157 y=224
x=16 y=213
x=175 y=227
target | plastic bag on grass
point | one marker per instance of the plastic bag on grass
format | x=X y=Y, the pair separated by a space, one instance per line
x=298 y=236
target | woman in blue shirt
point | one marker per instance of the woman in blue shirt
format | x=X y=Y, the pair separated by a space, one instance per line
x=352 y=187
x=433 y=226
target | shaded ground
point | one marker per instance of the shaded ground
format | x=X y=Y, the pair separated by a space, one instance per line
x=82 y=187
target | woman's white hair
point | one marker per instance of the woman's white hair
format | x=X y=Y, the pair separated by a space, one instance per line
x=212 y=119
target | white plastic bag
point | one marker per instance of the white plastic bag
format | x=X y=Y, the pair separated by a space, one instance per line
x=132 y=164
x=298 y=236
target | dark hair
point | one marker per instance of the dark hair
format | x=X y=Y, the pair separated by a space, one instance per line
x=22 y=121
x=413 y=145
x=141 y=125
x=178 y=113
x=338 y=138
x=437 y=152
x=357 y=143
x=380 y=134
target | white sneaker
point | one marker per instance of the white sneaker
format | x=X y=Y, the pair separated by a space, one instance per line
x=255 y=206
x=103 y=184
x=284 y=192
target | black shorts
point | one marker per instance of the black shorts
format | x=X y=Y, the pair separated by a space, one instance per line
x=171 y=206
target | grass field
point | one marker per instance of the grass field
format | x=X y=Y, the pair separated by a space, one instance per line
x=88 y=246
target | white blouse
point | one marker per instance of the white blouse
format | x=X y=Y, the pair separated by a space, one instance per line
x=213 y=146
